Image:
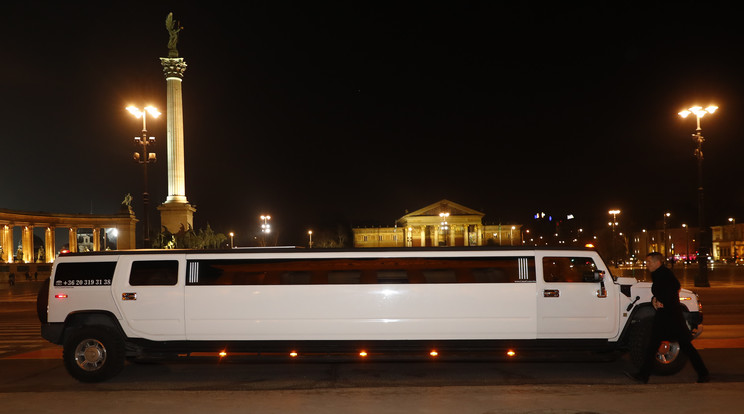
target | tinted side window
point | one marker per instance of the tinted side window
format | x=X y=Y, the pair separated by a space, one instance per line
x=84 y=274
x=361 y=271
x=154 y=273
x=568 y=269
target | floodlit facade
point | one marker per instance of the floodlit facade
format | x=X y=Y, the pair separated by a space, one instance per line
x=441 y=224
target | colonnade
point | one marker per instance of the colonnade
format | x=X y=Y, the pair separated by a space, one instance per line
x=124 y=223
x=453 y=235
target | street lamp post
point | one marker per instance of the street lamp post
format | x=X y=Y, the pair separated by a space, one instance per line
x=703 y=249
x=511 y=235
x=232 y=236
x=612 y=242
x=310 y=234
x=265 y=228
x=664 y=227
x=733 y=237
x=687 y=243
x=145 y=157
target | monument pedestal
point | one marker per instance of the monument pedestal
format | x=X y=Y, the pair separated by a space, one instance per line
x=173 y=216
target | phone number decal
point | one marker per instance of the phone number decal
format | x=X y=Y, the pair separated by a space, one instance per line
x=83 y=282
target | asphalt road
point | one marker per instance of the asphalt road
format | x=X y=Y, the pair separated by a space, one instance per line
x=34 y=380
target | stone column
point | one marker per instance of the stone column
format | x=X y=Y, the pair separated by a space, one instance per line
x=466 y=236
x=50 y=244
x=480 y=235
x=27 y=239
x=96 y=239
x=175 y=212
x=7 y=243
x=72 y=240
x=423 y=236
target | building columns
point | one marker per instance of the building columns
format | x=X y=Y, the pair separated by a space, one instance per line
x=50 y=245
x=7 y=243
x=97 y=239
x=27 y=240
x=72 y=240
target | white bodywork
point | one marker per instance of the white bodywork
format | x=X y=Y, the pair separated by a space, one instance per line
x=354 y=312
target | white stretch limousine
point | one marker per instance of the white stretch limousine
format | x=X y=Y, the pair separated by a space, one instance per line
x=107 y=307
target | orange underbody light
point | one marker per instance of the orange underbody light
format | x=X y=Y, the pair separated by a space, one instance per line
x=363 y=354
x=589 y=246
x=223 y=354
x=434 y=353
x=510 y=353
x=293 y=354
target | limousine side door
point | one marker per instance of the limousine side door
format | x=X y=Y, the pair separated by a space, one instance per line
x=148 y=290
x=570 y=302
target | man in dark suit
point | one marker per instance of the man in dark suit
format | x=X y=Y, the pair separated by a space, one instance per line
x=669 y=321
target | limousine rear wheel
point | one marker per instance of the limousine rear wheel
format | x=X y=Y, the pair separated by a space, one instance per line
x=94 y=354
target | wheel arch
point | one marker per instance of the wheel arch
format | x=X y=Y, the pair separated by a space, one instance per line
x=90 y=318
x=640 y=312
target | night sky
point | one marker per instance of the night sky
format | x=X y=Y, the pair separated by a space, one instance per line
x=352 y=112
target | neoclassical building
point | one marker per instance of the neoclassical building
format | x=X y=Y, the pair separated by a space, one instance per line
x=444 y=223
x=124 y=222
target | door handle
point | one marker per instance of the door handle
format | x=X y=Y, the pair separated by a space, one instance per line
x=551 y=293
x=129 y=296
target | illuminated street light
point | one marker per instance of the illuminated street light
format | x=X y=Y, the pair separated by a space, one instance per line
x=703 y=243
x=612 y=242
x=232 y=236
x=265 y=228
x=687 y=243
x=310 y=234
x=733 y=238
x=511 y=238
x=145 y=157
x=664 y=218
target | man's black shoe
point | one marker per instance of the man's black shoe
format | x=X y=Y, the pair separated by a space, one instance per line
x=703 y=378
x=637 y=377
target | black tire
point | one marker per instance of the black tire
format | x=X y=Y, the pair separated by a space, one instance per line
x=668 y=363
x=94 y=354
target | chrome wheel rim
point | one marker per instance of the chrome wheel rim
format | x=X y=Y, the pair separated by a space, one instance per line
x=90 y=355
x=671 y=353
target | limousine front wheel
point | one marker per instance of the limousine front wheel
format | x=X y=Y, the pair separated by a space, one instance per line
x=94 y=354
x=669 y=360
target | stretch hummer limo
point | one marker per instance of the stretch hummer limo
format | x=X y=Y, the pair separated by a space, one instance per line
x=106 y=308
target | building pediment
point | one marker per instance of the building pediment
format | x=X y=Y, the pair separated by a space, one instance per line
x=443 y=206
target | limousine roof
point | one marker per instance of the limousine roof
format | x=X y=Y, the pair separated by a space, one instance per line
x=291 y=249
